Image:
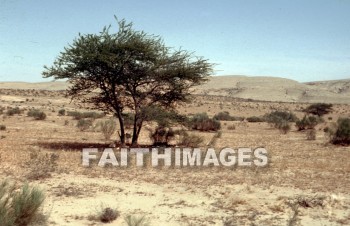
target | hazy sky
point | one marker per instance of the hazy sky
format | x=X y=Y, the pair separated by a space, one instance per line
x=304 y=40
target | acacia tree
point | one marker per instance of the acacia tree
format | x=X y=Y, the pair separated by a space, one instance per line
x=127 y=71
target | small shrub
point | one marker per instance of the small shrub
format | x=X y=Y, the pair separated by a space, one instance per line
x=319 y=109
x=162 y=135
x=283 y=126
x=108 y=215
x=83 y=115
x=2 y=127
x=62 y=112
x=19 y=207
x=190 y=140
x=341 y=134
x=108 y=127
x=13 y=111
x=276 y=118
x=231 y=127
x=202 y=122
x=255 y=119
x=311 y=134
x=308 y=122
x=84 y=124
x=225 y=116
x=41 y=165
x=36 y=114
x=136 y=221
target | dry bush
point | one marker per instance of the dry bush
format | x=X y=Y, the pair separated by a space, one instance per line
x=36 y=114
x=162 y=135
x=255 y=119
x=341 y=133
x=203 y=123
x=108 y=128
x=190 y=140
x=14 y=111
x=84 y=124
x=311 y=134
x=108 y=215
x=41 y=165
x=319 y=109
x=283 y=126
x=62 y=112
x=105 y=215
x=83 y=115
x=308 y=122
x=2 y=127
x=225 y=116
x=231 y=127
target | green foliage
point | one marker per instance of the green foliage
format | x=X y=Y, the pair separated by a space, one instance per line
x=36 y=114
x=128 y=70
x=319 y=109
x=341 y=134
x=19 y=207
x=255 y=119
x=84 y=124
x=13 y=111
x=62 y=112
x=308 y=122
x=225 y=116
x=202 y=122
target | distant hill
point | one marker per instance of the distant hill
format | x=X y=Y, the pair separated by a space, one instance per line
x=277 y=89
x=257 y=88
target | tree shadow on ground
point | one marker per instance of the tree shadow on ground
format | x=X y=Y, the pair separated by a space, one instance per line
x=71 y=146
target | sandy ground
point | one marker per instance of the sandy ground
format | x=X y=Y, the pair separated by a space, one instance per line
x=306 y=182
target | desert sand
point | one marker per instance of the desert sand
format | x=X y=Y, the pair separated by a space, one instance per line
x=305 y=183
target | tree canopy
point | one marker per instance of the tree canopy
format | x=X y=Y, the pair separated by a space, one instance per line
x=128 y=71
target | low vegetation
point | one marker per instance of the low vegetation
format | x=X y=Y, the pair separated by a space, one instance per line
x=136 y=221
x=84 y=124
x=41 y=165
x=19 y=207
x=255 y=119
x=319 y=109
x=340 y=133
x=311 y=134
x=14 y=111
x=225 y=116
x=62 y=112
x=107 y=127
x=36 y=114
x=84 y=115
x=308 y=122
x=202 y=122
x=190 y=140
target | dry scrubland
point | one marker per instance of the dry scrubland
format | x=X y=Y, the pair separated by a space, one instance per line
x=307 y=181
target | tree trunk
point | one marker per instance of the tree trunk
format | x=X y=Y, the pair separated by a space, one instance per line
x=122 y=130
x=135 y=136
